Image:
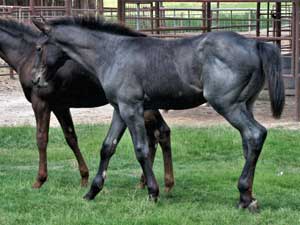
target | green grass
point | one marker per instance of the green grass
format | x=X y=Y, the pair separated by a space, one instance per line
x=207 y=164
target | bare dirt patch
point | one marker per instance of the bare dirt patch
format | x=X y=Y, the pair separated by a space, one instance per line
x=16 y=110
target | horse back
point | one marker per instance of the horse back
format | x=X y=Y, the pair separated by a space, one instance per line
x=169 y=73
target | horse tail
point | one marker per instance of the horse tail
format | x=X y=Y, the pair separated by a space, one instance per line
x=271 y=63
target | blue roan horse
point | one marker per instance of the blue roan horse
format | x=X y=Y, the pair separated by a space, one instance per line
x=136 y=73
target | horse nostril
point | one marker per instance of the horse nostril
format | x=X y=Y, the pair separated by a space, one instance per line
x=36 y=80
x=42 y=84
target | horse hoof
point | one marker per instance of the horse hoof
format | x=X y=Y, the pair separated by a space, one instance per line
x=168 y=189
x=153 y=198
x=37 y=185
x=89 y=196
x=141 y=185
x=84 y=182
x=252 y=207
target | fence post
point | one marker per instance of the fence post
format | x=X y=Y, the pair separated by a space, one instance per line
x=268 y=19
x=68 y=7
x=100 y=7
x=209 y=16
x=278 y=23
x=157 y=17
x=295 y=65
x=151 y=15
x=204 y=16
x=121 y=11
x=258 y=19
x=138 y=10
x=31 y=8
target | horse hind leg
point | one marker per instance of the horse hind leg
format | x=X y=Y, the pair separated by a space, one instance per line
x=65 y=119
x=249 y=105
x=158 y=132
x=253 y=137
x=165 y=143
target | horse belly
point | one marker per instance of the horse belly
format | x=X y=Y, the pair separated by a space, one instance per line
x=77 y=91
x=180 y=98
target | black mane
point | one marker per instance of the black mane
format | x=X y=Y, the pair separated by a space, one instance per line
x=8 y=24
x=97 y=24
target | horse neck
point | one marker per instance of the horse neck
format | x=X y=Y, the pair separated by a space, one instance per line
x=75 y=45
x=14 y=49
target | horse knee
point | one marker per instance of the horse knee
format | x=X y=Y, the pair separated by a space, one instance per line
x=42 y=140
x=71 y=139
x=257 y=138
x=108 y=149
x=165 y=133
x=141 y=154
x=243 y=185
x=129 y=114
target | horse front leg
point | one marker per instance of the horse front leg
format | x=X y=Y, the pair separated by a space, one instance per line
x=133 y=115
x=42 y=116
x=153 y=141
x=65 y=119
x=109 y=146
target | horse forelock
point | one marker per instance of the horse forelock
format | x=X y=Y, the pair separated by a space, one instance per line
x=97 y=24
x=20 y=27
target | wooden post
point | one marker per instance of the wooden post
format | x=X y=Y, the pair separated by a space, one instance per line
x=100 y=6
x=138 y=11
x=68 y=7
x=296 y=36
x=218 y=14
x=121 y=11
x=152 y=17
x=31 y=8
x=85 y=4
x=209 y=17
x=278 y=22
x=258 y=19
x=204 y=17
x=157 y=17
x=268 y=19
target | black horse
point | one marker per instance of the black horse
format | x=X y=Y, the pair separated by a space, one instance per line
x=222 y=68
x=72 y=86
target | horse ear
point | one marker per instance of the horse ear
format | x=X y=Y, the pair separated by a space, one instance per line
x=43 y=19
x=42 y=25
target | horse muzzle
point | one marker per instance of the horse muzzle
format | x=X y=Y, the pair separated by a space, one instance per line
x=39 y=81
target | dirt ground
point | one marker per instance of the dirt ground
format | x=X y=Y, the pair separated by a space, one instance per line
x=16 y=110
